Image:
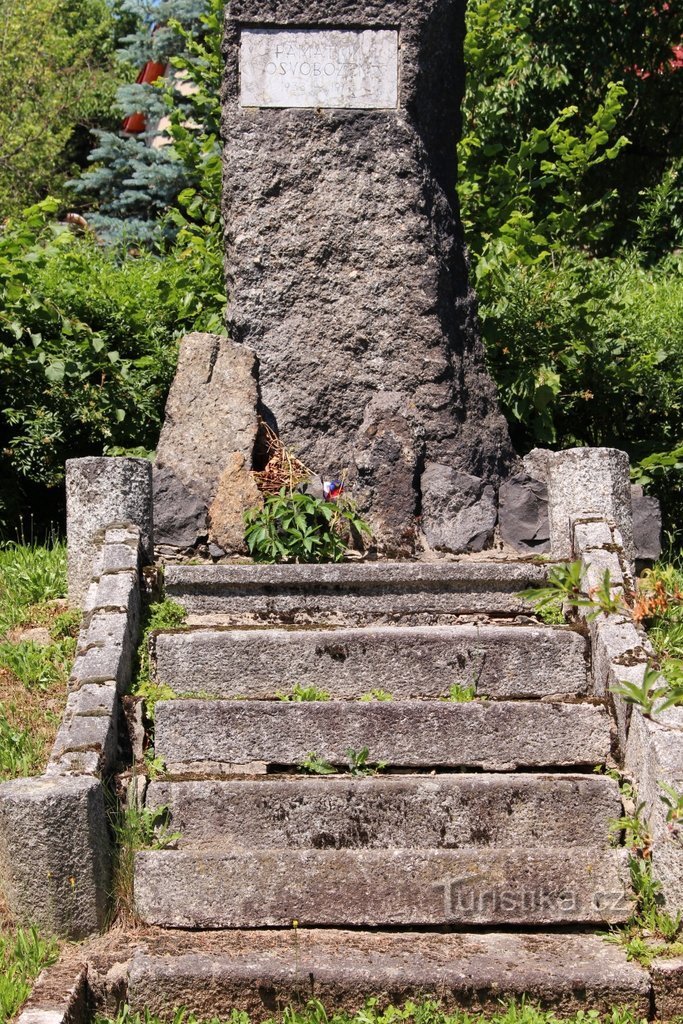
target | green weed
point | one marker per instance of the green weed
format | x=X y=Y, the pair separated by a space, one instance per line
x=300 y=694
x=296 y=527
x=359 y=764
x=314 y=764
x=135 y=828
x=38 y=666
x=375 y=1011
x=23 y=955
x=29 y=574
x=21 y=752
x=459 y=694
x=381 y=695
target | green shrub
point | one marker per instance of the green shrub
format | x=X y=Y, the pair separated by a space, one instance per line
x=297 y=527
x=88 y=342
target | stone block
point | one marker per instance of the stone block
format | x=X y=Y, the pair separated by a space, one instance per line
x=110 y=663
x=459 y=511
x=118 y=558
x=406 y=661
x=596 y=564
x=667 y=988
x=262 y=972
x=54 y=853
x=410 y=812
x=591 y=535
x=497 y=736
x=236 y=492
x=179 y=515
x=105 y=628
x=523 y=514
x=101 y=492
x=348 y=593
x=86 y=734
x=584 y=481
x=647 y=527
x=210 y=412
x=205 y=888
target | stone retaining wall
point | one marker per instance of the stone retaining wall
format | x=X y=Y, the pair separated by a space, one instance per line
x=55 y=843
x=650 y=747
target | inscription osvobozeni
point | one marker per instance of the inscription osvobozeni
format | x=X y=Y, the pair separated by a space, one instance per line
x=343 y=68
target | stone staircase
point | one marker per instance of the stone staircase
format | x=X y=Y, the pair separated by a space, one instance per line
x=476 y=866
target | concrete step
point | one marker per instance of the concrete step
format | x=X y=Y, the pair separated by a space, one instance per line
x=214 y=736
x=353 y=593
x=439 y=812
x=209 y=888
x=406 y=661
x=262 y=972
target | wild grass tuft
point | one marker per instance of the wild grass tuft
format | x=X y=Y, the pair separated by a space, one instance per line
x=375 y=1012
x=23 y=955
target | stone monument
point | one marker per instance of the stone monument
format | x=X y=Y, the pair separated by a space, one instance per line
x=346 y=269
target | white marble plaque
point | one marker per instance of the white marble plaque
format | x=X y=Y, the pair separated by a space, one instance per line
x=343 y=68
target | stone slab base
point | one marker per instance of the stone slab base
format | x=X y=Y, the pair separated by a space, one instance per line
x=199 y=888
x=406 y=661
x=409 y=811
x=262 y=972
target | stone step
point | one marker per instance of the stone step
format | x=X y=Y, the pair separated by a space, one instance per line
x=214 y=736
x=439 y=812
x=210 y=888
x=262 y=972
x=353 y=593
x=406 y=661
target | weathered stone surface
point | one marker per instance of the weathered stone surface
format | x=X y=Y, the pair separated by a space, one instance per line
x=89 y=733
x=100 y=492
x=179 y=515
x=349 y=593
x=60 y=994
x=406 y=661
x=588 y=480
x=537 y=463
x=441 y=812
x=498 y=736
x=523 y=514
x=236 y=492
x=54 y=853
x=654 y=755
x=667 y=987
x=352 y=69
x=647 y=526
x=271 y=888
x=459 y=510
x=385 y=466
x=364 y=285
x=210 y=412
x=262 y=972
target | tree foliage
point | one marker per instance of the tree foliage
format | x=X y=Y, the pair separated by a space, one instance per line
x=56 y=76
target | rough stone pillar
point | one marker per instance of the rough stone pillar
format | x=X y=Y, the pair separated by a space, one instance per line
x=588 y=481
x=345 y=262
x=55 y=860
x=99 y=493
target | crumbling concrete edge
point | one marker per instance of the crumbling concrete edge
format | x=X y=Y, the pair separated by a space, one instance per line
x=55 y=843
x=650 y=747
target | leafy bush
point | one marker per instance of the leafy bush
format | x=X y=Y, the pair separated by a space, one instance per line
x=88 y=343
x=300 y=528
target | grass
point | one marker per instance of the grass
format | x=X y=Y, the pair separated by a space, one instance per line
x=37 y=644
x=419 y=1012
x=23 y=955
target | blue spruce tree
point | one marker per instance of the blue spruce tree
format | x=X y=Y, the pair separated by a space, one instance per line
x=138 y=174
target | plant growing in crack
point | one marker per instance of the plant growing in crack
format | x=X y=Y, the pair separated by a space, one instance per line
x=673 y=801
x=135 y=828
x=301 y=694
x=380 y=695
x=654 y=694
x=650 y=932
x=459 y=694
x=314 y=764
x=359 y=764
